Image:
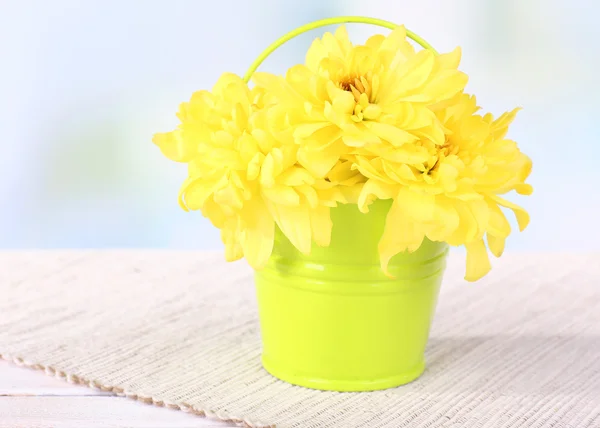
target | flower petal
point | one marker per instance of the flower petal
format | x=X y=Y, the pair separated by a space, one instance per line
x=319 y=162
x=305 y=130
x=450 y=60
x=295 y=224
x=321 y=225
x=406 y=76
x=390 y=133
x=258 y=234
x=278 y=88
x=230 y=236
x=496 y=244
x=419 y=207
x=399 y=234
x=500 y=125
x=445 y=85
x=175 y=147
x=375 y=189
x=520 y=213
x=478 y=261
x=281 y=195
x=498 y=225
x=446 y=220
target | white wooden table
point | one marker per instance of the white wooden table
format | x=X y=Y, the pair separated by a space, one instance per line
x=31 y=399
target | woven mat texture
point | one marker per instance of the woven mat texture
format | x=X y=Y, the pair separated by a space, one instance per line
x=520 y=348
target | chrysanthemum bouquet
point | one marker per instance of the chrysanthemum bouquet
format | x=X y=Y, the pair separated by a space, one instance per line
x=354 y=124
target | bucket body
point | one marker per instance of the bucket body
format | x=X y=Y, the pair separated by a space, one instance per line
x=332 y=320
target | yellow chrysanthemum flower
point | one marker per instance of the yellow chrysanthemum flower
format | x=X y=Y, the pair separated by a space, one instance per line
x=243 y=178
x=352 y=125
x=376 y=97
x=453 y=196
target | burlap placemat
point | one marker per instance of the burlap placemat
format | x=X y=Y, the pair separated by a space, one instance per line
x=179 y=329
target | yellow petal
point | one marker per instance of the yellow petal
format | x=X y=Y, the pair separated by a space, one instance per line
x=374 y=42
x=481 y=213
x=226 y=80
x=524 y=189
x=445 y=85
x=406 y=76
x=311 y=195
x=343 y=102
x=297 y=75
x=372 y=112
x=375 y=189
x=315 y=54
x=254 y=165
x=296 y=176
x=446 y=220
x=280 y=194
x=478 y=262
x=263 y=140
x=419 y=207
x=351 y=193
x=372 y=169
x=525 y=168
x=406 y=154
x=496 y=244
x=330 y=197
x=467 y=228
x=416 y=71
x=396 y=43
x=498 y=225
x=267 y=171
x=500 y=125
x=194 y=192
x=323 y=139
x=248 y=147
x=390 y=133
x=358 y=135
x=410 y=115
x=343 y=173
x=215 y=213
x=230 y=237
x=337 y=44
x=229 y=196
x=520 y=213
x=257 y=235
x=175 y=147
x=449 y=61
x=435 y=133
x=305 y=130
x=294 y=223
x=317 y=162
x=448 y=174
x=399 y=234
x=278 y=87
x=320 y=222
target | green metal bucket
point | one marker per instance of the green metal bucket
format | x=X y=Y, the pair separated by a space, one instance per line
x=332 y=320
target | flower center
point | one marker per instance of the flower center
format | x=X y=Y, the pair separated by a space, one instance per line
x=448 y=148
x=346 y=85
x=357 y=86
x=362 y=90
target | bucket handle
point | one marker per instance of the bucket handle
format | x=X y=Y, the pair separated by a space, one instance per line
x=330 y=21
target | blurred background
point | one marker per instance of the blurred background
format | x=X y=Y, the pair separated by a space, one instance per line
x=85 y=84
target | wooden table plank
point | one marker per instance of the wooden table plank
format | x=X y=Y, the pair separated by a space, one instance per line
x=93 y=412
x=21 y=381
x=30 y=398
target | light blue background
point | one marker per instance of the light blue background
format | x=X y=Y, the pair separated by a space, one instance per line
x=85 y=84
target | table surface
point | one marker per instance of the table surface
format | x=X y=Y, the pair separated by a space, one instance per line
x=30 y=398
x=520 y=350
